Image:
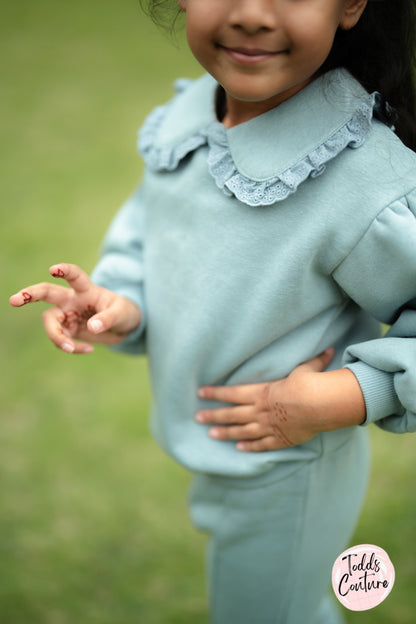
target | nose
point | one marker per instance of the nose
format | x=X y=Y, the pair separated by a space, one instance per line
x=253 y=15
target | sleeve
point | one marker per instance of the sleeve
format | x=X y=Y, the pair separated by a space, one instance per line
x=379 y=274
x=121 y=269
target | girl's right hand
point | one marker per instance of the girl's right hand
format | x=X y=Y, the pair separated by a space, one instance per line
x=84 y=311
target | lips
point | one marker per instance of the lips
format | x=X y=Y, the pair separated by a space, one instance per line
x=248 y=56
x=250 y=51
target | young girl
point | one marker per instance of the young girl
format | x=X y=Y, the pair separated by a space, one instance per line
x=274 y=229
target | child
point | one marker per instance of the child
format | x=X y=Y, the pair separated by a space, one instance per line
x=274 y=229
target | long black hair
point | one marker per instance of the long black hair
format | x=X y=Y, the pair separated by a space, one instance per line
x=380 y=52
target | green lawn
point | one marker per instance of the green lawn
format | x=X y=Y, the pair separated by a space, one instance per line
x=93 y=520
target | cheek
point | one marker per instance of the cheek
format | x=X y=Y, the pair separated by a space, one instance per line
x=197 y=36
x=316 y=46
x=199 y=23
x=312 y=30
x=197 y=48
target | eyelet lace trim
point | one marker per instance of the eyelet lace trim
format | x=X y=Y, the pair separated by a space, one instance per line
x=224 y=171
x=278 y=188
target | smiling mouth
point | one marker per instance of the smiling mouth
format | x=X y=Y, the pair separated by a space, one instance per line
x=249 y=56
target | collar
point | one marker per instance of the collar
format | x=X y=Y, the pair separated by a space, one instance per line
x=265 y=159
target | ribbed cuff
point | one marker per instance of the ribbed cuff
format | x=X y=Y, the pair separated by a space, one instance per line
x=378 y=389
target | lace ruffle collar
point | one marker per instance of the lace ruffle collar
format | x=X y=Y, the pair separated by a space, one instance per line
x=265 y=159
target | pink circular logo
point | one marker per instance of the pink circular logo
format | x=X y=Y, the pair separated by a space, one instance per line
x=362 y=577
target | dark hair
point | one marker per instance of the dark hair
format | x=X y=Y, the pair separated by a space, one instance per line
x=380 y=52
x=164 y=13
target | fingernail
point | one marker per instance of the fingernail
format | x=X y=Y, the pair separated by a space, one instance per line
x=68 y=348
x=56 y=271
x=27 y=298
x=214 y=433
x=88 y=349
x=96 y=326
x=199 y=417
x=201 y=393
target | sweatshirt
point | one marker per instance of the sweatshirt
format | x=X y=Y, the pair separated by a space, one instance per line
x=252 y=249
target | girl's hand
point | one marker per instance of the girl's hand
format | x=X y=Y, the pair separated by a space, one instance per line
x=286 y=412
x=84 y=311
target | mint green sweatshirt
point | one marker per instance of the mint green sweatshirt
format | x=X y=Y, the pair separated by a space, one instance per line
x=250 y=250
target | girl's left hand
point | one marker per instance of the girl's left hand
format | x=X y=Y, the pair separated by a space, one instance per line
x=287 y=412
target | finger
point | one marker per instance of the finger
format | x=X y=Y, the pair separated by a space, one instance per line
x=52 y=322
x=243 y=395
x=71 y=273
x=268 y=443
x=107 y=338
x=82 y=348
x=20 y=298
x=226 y=415
x=320 y=362
x=105 y=320
x=50 y=293
x=252 y=431
x=61 y=327
x=115 y=313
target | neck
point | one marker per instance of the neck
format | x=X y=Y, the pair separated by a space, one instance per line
x=237 y=112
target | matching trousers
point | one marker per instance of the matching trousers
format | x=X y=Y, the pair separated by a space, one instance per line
x=274 y=538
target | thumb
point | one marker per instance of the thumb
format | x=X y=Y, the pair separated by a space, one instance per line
x=320 y=362
x=120 y=317
x=103 y=321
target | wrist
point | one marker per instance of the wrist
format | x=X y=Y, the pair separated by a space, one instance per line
x=131 y=318
x=338 y=400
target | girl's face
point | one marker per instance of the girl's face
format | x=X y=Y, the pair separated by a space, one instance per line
x=263 y=51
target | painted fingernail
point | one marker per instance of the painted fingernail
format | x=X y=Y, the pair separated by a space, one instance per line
x=57 y=272
x=96 y=326
x=68 y=348
x=27 y=298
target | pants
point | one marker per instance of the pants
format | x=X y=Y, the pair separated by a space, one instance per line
x=273 y=540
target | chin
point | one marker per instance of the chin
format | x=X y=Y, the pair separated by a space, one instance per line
x=250 y=94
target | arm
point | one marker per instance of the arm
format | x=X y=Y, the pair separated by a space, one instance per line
x=378 y=383
x=121 y=266
x=386 y=368
x=286 y=412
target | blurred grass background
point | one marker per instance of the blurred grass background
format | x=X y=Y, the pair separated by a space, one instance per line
x=93 y=519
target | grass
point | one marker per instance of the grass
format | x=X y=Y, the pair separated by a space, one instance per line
x=93 y=517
